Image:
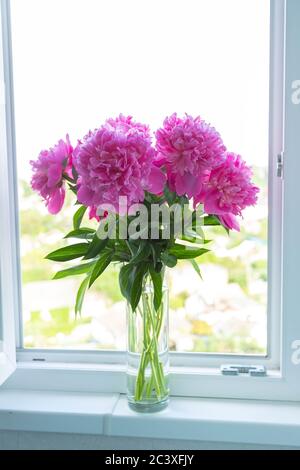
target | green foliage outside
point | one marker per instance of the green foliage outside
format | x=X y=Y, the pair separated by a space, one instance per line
x=42 y=233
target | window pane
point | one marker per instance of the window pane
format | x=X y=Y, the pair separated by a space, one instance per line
x=77 y=62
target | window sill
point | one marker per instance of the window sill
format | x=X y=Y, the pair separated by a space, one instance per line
x=216 y=420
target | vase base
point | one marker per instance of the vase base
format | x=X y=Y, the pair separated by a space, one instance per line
x=149 y=407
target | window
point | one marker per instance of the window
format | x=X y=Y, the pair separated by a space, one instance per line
x=150 y=76
x=228 y=76
x=7 y=278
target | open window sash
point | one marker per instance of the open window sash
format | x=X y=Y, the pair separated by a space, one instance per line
x=7 y=208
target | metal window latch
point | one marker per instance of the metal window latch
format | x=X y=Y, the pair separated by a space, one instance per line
x=279 y=167
x=253 y=371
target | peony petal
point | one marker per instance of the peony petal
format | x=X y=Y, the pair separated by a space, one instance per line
x=199 y=198
x=211 y=199
x=47 y=174
x=54 y=175
x=156 y=181
x=190 y=146
x=56 y=201
x=93 y=213
x=188 y=184
x=230 y=221
x=116 y=160
x=160 y=160
x=171 y=179
x=85 y=195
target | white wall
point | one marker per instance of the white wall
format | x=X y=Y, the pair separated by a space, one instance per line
x=11 y=440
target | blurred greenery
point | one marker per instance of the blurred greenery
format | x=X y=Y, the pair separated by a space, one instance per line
x=229 y=344
x=42 y=233
x=201 y=328
x=34 y=267
x=109 y=283
x=60 y=322
x=178 y=301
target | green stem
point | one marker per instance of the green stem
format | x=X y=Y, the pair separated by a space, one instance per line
x=154 y=349
x=152 y=325
x=140 y=380
x=68 y=178
x=149 y=387
x=158 y=364
x=129 y=247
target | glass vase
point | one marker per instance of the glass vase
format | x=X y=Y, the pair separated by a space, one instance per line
x=148 y=352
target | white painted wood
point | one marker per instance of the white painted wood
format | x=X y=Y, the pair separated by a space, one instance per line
x=240 y=421
x=55 y=412
x=291 y=225
x=213 y=420
x=190 y=382
x=8 y=280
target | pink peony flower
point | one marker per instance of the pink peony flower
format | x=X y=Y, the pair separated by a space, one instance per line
x=93 y=214
x=188 y=148
x=117 y=160
x=229 y=190
x=48 y=171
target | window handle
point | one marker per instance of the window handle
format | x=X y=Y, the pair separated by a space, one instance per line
x=253 y=371
x=279 y=166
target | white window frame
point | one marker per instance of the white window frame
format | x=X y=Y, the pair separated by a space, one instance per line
x=192 y=374
x=7 y=304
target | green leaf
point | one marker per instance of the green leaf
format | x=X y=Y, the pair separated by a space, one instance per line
x=192 y=236
x=68 y=178
x=102 y=263
x=132 y=246
x=183 y=201
x=131 y=282
x=74 y=173
x=69 y=252
x=156 y=250
x=142 y=253
x=168 y=259
x=96 y=246
x=157 y=279
x=196 y=267
x=121 y=257
x=211 y=220
x=214 y=220
x=73 y=188
x=197 y=227
x=170 y=196
x=82 y=233
x=121 y=251
x=158 y=267
x=124 y=280
x=186 y=252
x=78 y=216
x=80 y=295
x=74 y=270
x=153 y=198
x=137 y=286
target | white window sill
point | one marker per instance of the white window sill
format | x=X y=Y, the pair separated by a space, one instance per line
x=216 y=420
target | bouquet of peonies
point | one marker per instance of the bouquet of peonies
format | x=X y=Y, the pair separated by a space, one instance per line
x=152 y=201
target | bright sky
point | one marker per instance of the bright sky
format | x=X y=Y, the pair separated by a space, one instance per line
x=77 y=62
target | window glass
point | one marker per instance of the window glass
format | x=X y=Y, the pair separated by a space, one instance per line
x=78 y=62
